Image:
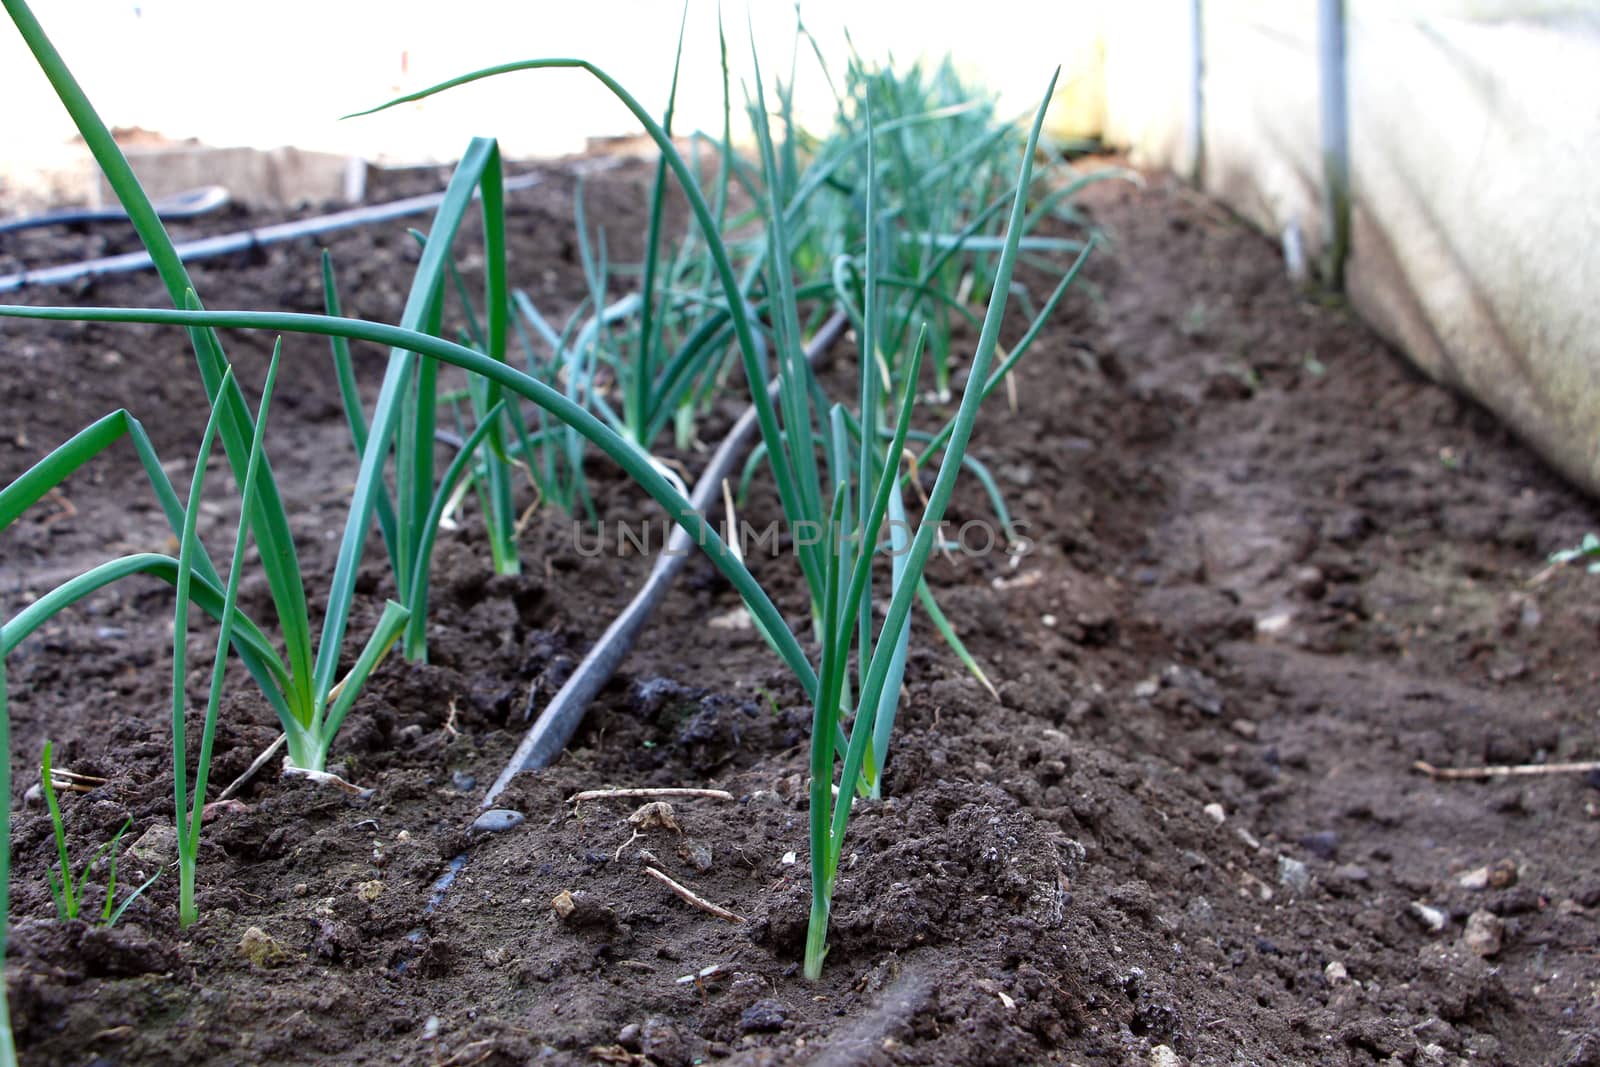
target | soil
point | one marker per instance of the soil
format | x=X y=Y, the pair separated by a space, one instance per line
x=1270 y=569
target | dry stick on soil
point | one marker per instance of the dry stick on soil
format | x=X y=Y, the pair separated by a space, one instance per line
x=636 y=794
x=548 y=736
x=250 y=771
x=1503 y=770
x=689 y=896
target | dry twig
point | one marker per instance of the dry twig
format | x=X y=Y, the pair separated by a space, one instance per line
x=689 y=896
x=624 y=794
x=250 y=771
x=1508 y=770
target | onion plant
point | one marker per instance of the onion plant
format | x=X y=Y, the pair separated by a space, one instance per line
x=838 y=469
x=67 y=890
x=405 y=415
x=8 y=1049
x=189 y=814
x=302 y=684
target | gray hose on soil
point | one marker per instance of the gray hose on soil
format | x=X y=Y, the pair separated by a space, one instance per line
x=243 y=240
x=190 y=204
x=548 y=736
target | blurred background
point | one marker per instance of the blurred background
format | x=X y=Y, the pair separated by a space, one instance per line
x=1434 y=160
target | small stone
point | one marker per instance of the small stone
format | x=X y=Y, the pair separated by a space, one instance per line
x=1293 y=875
x=763 y=1017
x=301 y=889
x=1352 y=872
x=261 y=949
x=1335 y=973
x=1429 y=916
x=463 y=782
x=695 y=855
x=369 y=891
x=1198 y=689
x=1324 y=844
x=1163 y=1056
x=1310 y=583
x=578 y=908
x=1485 y=933
x=654 y=815
x=1216 y=813
x=497 y=820
x=1243 y=727
x=156 y=847
x=737 y=619
x=628 y=1037
x=1274 y=624
x=1147 y=688
x=661 y=1042
x=1503 y=874
x=1474 y=881
x=430 y=1028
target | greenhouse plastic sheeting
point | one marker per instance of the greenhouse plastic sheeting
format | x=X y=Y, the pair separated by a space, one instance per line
x=1474 y=160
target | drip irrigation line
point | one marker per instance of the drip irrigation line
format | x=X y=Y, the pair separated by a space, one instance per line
x=548 y=736
x=190 y=204
x=243 y=240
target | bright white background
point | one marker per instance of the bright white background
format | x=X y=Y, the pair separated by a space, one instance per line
x=266 y=74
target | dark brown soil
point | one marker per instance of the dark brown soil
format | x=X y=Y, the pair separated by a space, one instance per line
x=1271 y=568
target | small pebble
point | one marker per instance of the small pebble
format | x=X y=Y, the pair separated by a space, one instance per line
x=463 y=782
x=1324 y=844
x=1216 y=813
x=1335 y=973
x=1310 y=583
x=1293 y=875
x=656 y=814
x=1243 y=727
x=156 y=847
x=763 y=1017
x=261 y=949
x=695 y=855
x=1352 y=872
x=1485 y=933
x=661 y=1042
x=1499 y=875
x=1163 y=1056
x=1429 y=916
x=579 y=908
x=497 y=820
x=1274 y=624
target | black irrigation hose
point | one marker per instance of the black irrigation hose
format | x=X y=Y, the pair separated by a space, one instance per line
x=548 y=736
x=190 y=204
x=242 y=240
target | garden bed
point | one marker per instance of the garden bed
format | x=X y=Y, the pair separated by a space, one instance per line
x=1271 y=568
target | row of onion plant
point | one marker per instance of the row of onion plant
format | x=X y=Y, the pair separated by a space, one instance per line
x=837 y=465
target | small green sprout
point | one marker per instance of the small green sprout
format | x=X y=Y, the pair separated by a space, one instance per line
x=66 y=890
x=1587 y=549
